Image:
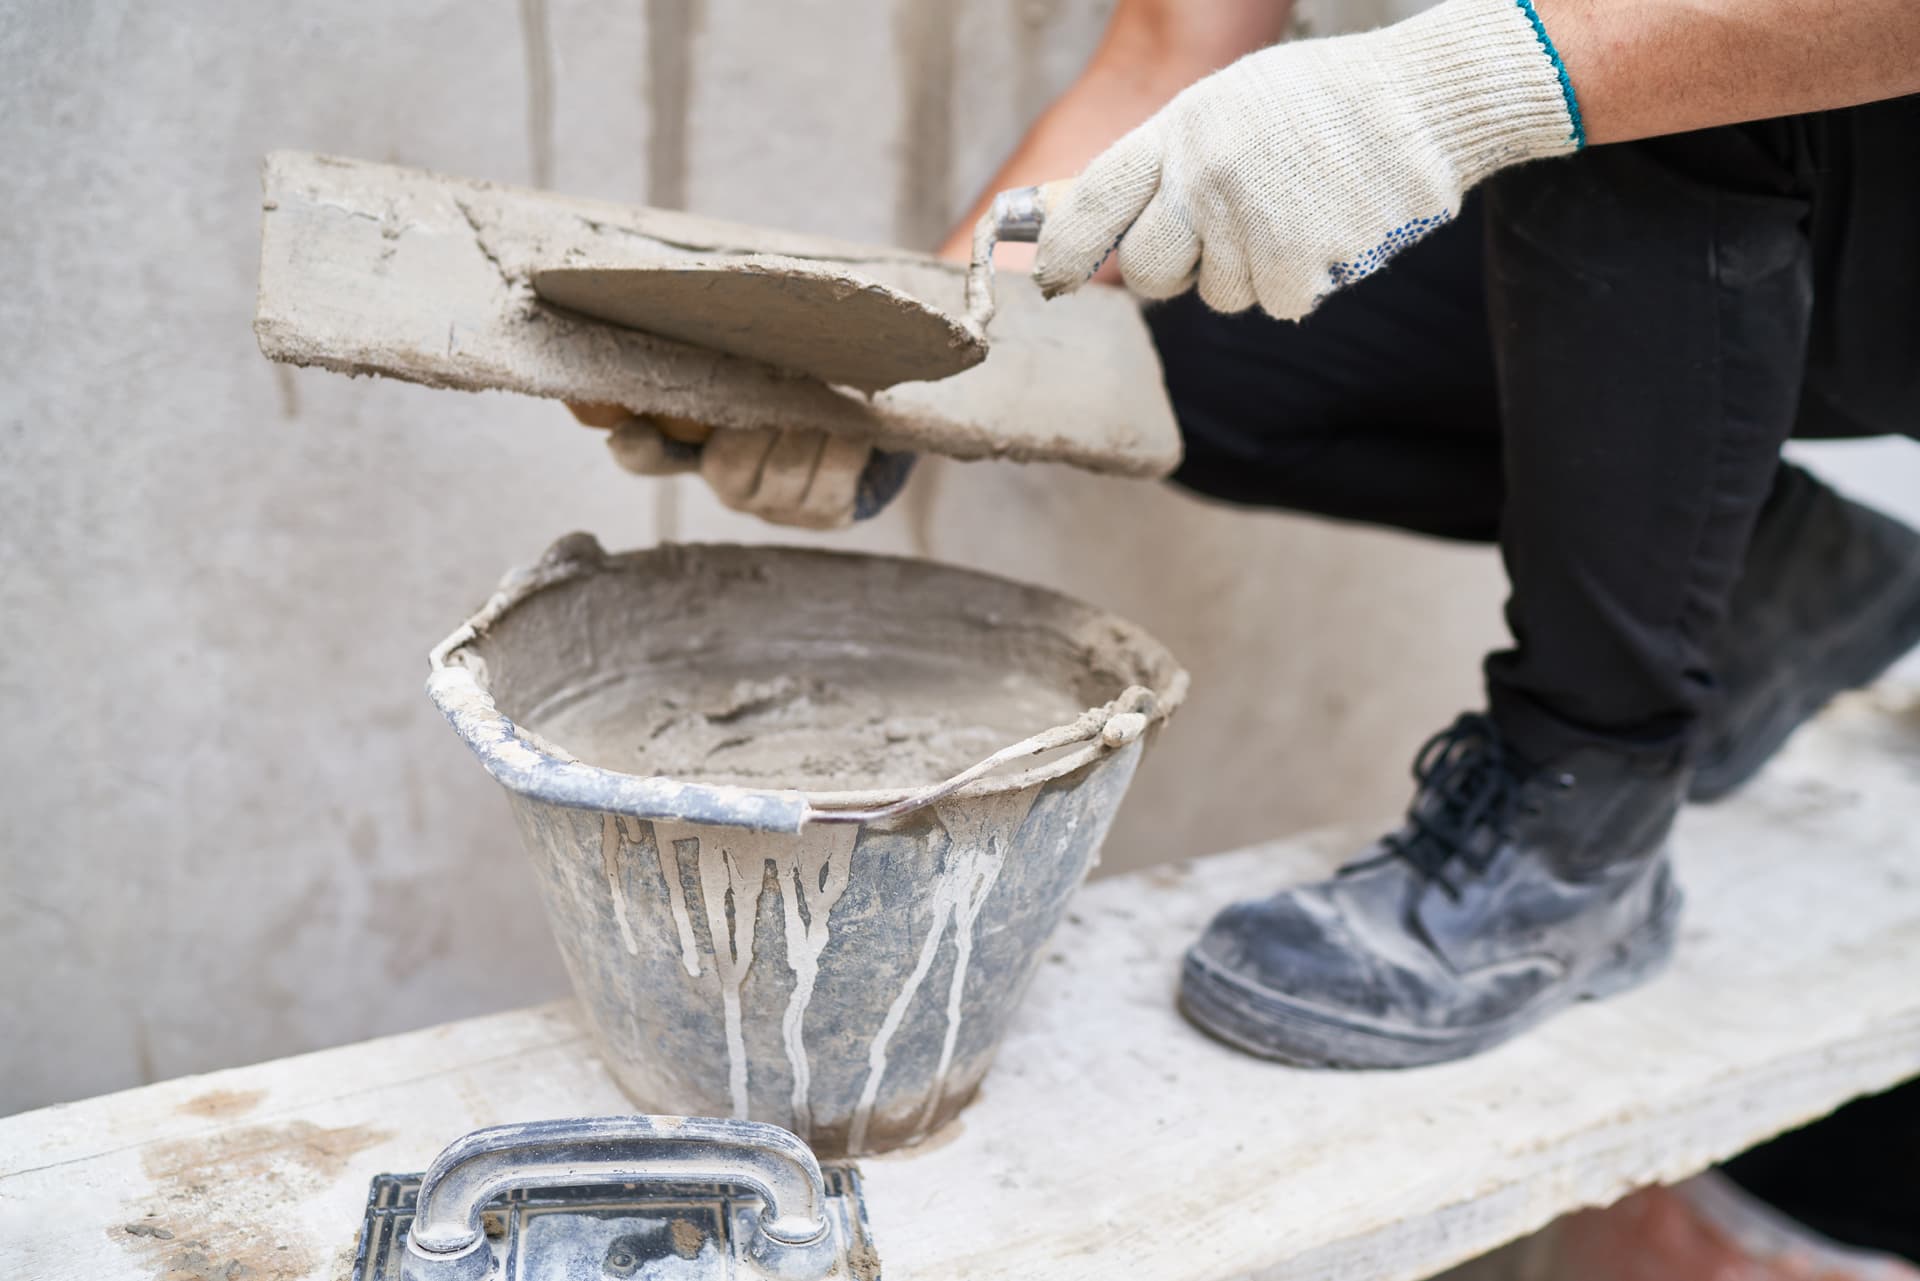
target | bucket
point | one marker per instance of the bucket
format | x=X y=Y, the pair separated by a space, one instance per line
x=803 y=821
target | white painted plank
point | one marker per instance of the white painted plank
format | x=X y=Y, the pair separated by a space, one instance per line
x=1111 y=1139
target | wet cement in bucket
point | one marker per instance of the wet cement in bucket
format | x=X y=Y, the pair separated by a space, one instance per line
x=776 y=669
x=825 y=722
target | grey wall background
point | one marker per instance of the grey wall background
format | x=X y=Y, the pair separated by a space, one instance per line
x=233 y=826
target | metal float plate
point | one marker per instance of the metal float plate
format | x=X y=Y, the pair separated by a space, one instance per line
x=660 y=1232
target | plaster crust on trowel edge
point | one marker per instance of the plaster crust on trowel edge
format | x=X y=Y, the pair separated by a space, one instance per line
x=376 y=269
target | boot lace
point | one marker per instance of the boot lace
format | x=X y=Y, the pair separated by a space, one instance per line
x=1470 y=783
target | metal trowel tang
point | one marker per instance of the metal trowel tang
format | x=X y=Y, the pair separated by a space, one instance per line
x=634 y=1198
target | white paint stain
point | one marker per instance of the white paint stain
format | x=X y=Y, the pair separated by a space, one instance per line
x=813 y=872
x=667 y=850
x=979 y=832
x=984 y=829
x=729 y=868
x=939 y=908
x=610 y=860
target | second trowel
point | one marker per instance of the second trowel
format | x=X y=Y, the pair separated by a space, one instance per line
x=810 y=317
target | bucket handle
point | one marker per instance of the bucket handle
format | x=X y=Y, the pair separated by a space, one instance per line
x=523 y=763
x=1112 y=725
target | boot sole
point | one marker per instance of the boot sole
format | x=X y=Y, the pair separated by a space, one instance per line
x=1267 y=1024
x=1854 y=655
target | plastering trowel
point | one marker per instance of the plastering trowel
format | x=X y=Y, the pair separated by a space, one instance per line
x=376 y=269
x=809 y=316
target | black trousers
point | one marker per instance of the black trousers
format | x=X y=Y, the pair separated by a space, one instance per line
x=1595 y=365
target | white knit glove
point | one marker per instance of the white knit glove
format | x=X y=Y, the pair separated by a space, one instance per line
x=804 y=478
x=1305 y=166
x=808 y=479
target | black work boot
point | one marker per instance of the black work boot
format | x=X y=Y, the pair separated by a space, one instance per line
x=1829 y=599
x=1510 y=892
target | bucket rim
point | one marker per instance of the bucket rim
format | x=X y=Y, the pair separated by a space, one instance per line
x=528 y=764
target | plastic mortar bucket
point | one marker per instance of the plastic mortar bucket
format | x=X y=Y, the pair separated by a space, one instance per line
x=802 y=821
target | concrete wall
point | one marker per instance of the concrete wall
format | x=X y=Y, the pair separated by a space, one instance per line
x=234 y=828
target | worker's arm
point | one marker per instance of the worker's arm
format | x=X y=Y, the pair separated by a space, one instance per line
x=1151 y=50
x=1647 y=67
x=1305 y=166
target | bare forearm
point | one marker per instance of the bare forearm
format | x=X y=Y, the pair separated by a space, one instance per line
x=1100 y=107
x=1646 y=67
x=1152 y=50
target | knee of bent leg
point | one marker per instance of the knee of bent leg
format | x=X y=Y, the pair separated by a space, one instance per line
x=1250 y=414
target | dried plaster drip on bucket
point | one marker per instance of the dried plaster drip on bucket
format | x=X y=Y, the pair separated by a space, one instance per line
x=610 y=844
x=668 y=852
x=985 y=830
x=976 y=850
x=813 y=875
x=732 y=873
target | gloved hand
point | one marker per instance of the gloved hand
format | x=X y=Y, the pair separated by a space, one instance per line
x=1306 y=166
x=809 y=479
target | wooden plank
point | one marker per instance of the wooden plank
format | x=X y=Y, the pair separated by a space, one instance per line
x=1111 y=1139
x=377 y=269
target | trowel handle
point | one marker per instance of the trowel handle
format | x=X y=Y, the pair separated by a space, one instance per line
x=1016 y=216
x=447 y=1243
x=1019 y=214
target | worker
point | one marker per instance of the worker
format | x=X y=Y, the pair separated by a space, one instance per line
x=1566 y=276
x=1697 y=234
x=1558 y=275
